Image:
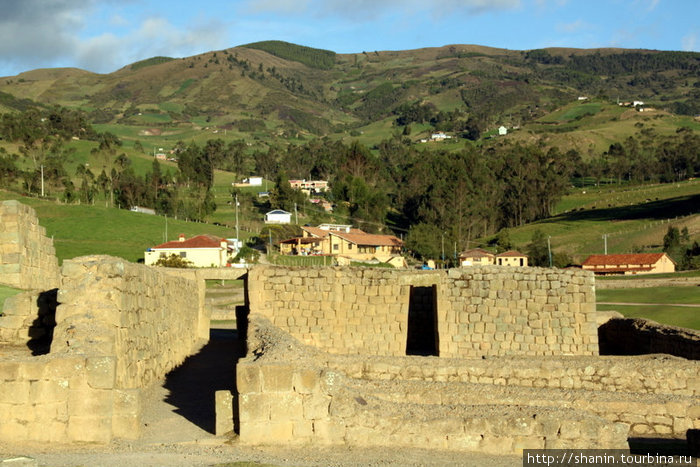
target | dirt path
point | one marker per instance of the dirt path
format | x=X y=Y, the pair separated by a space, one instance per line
x=178 y=426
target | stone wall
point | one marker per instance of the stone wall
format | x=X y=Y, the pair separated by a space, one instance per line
x=636 y=336
x=290 y=393
x=294 y=394
x=145 y=318
x=479 y=311
x=119 y=327
x=27 y=257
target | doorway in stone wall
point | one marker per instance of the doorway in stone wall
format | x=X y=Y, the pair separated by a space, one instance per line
x=422 y=334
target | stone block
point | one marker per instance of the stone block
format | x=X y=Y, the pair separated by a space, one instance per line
x=286 y=406
x=101 y=372
x=248 y=378
x=224 y=412
x=277 y=377
x=253 y=408
x=95 y=402
x=496 y=444
x=330 y=431
x=90 y=428
x=306 y=381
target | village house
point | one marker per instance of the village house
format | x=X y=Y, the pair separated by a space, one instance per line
x=511 y=258
x=203 y=251
x=627 y=264
x=343 y=242
x=309 y=187
x=481 y=257
x=278 y=216
x=476 y=256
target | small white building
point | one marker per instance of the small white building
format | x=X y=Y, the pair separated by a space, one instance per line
x=278 y=216
x=254 y=181
x=502 y=131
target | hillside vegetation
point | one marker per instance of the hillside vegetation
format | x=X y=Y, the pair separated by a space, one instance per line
x=409 y=141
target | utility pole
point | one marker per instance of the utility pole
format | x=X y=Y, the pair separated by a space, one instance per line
x=549 y=249
x=237 y=239
x=296 y=214
x=166 y=229
x=443 y=249
x=42 y=181
x=605 y=243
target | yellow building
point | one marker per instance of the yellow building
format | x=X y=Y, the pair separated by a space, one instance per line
x=627 y=264
x=203 y=251
x=511 y=258
x=476 y=257
x=481 y=257
x=343 y=241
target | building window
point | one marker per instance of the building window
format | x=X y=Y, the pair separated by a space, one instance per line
x=335 y=247
x=183 y=254
x=349 y=246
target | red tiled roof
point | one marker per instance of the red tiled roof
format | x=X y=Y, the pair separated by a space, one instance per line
x=200 y=241
x=616 y=260
x=315 y=231
x=359 y=237
x=510 y=254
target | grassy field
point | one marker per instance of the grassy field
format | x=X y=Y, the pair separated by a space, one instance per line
x=662 y=310
x=79 y=230
x=613 y=195
x=667 y=275
x=660 y=295
x=665 y=314
x=636 y=225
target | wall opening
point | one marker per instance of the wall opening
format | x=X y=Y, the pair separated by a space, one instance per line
x=422 y=335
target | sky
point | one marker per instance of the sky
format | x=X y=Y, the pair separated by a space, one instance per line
x=104 y=35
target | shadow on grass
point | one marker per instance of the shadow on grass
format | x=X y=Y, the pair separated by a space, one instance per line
x=655 y=210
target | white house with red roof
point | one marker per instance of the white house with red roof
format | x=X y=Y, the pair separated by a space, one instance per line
x=203 y=251
x=627 y=264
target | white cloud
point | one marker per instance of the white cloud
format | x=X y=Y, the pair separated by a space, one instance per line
x=154 y=36
x=576 y=26
x=366 y=9
x=50 y=33
x=689 y=42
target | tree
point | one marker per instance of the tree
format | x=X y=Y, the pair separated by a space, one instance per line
x=538 y=250
x=424 y=241
x=173 y=261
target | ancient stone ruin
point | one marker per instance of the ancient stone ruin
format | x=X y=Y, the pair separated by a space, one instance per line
x=483 y=359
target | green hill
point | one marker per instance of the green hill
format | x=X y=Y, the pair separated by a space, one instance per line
x=274 y=91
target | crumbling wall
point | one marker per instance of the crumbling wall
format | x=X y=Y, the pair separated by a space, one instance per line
x=293 y=394
x=636 y=336
x=480 y=311
x=119 y=327
x=27 y=257
x=144 y=317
